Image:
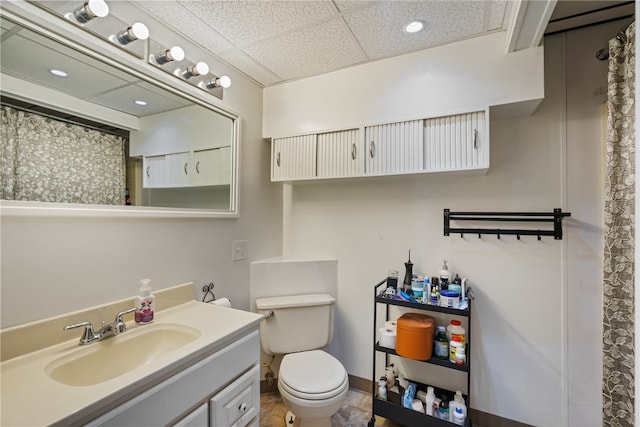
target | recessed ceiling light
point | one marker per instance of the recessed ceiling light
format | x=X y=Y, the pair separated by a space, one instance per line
x=414 y=27
x=59 y=73
x=139 y=102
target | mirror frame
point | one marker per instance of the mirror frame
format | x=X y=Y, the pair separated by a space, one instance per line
x=49 y=25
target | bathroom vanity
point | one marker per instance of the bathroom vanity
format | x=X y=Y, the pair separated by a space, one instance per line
x=196 y=365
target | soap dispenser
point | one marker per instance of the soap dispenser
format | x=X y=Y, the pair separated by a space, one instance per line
x=145 y=303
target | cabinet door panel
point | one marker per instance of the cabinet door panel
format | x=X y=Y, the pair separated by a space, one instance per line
x=457 y=142
x=177 y=170
x=293 y=158
x=153 y=172
x=205 y=167
x=394 y=148
x=338 y=154
x=198 y=418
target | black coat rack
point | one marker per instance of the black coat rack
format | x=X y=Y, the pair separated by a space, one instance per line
x=554 y=217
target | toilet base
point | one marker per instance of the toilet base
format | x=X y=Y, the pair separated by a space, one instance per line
x=293 y=421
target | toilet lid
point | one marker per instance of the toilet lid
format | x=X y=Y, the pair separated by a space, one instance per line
x=312 y=375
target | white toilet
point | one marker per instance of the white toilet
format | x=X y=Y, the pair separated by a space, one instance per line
x=312 y=383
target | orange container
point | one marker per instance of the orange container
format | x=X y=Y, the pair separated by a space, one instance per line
x=415 y=336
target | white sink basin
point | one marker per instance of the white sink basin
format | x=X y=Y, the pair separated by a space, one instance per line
x=114 y=356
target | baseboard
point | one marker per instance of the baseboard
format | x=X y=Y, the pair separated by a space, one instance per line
x=479 y=418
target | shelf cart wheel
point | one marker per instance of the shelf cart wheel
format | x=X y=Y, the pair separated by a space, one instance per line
x=371 y=422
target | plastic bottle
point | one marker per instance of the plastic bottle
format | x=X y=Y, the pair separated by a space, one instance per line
x=444 y=273
x=429 y=401
x=461 y=356
x=145 y=302
x=455 y=329
x=457 y=409
x=417 y=287
x=426 y=291
x=382 y=389
x=443 y=410
x=458 y=416
x=454 y=345
x=441 y=344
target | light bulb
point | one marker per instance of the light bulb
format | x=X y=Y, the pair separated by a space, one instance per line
x=195 y=70
x=174 y=54
x=222 y=81
x=137 y=31
x=414 y=27
x=91 y=9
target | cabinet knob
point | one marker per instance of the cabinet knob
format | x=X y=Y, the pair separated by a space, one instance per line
x=185 y=168
x=372 y=149
x=475 y=139
x=354 y=151
x=198 y=167
x=148 y=171
x=278 y=159
x=243 y=407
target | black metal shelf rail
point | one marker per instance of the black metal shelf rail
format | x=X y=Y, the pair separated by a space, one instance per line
x=554 y=217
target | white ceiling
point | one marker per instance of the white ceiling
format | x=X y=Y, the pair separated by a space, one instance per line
x=275 y=41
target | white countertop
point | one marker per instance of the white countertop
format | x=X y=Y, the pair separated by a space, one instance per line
x=31 y=398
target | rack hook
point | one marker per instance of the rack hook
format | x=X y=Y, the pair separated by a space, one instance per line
x=479 y=236
x=518 y=236
x=539 y=237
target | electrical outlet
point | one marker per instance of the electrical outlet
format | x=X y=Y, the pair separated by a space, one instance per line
x=238 y=250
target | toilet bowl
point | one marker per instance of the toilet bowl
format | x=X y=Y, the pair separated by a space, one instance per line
x=313 y=385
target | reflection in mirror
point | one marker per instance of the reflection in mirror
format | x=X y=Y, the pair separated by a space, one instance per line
x=155 y=149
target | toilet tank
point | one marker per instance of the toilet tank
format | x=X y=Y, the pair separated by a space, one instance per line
x=299 y=322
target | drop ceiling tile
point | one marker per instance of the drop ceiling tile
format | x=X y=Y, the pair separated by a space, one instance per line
x=347 y=5
x=379 y=29
x=250 y=67
x=313 y=50
x=496 y=14
x=195 y=27
x=244 y=22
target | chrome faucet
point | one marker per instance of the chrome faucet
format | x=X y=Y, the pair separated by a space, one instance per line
x=107 y=330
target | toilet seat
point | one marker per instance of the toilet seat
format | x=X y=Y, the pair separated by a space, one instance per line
x=312 y=375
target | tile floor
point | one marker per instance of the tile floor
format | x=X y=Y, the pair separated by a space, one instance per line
x=356 y=411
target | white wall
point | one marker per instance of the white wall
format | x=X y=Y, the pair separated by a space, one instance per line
x=55 y=265
x=536 y=316
x=467 y=75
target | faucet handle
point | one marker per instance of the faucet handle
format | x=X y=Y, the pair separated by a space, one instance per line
x=88 y=335
x=122 y=313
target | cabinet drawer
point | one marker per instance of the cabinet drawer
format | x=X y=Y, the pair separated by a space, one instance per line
x=238 y=403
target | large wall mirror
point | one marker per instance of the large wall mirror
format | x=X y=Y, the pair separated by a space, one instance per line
x=103 y=138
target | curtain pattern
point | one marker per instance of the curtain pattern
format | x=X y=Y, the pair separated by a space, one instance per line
x=619 y=249
x=47 y=160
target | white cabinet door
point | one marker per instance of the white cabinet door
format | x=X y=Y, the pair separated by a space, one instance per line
x=457 y=142
x=177 y=170
x=338 y=154
x=394 y=148
x=153 y=172
x=205 y=167
x=211 y=167
x=198 y=418
x=293 y=158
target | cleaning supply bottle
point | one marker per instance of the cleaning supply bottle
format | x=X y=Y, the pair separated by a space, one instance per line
x=382 y=388
x=441 y=344
x=429 y=401
x=443 y=410
x=145 y=303
x=457 y=409
x=445 y=276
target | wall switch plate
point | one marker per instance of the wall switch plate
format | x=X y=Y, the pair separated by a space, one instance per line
x=238 y=250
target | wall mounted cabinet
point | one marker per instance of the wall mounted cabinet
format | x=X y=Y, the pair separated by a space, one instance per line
x=188 y=169
x=458 y=142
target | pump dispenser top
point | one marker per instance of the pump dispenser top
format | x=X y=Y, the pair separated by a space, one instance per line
x=445 y=274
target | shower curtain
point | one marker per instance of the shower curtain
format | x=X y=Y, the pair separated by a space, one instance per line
x=619 y=234
x=46 y=160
